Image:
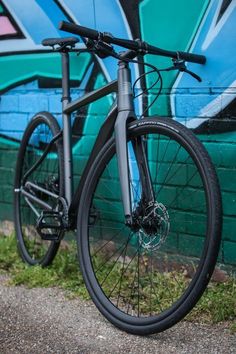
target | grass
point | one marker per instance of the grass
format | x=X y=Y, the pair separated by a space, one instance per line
x=216 y=305
x=62 y=273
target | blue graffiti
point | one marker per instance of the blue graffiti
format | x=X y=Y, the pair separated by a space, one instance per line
x=39 y=19
x=216 y=38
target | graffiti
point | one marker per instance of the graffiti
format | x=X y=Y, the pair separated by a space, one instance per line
x=30 y=74
x=39 y=19
x=210 y=23
x=27 y=59
x=215 y=39
x=8 y=27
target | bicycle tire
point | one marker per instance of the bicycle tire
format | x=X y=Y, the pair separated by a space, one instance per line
x=39 y=132
x=166 y=271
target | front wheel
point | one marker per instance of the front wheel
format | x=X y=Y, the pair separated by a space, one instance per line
x=146 y=278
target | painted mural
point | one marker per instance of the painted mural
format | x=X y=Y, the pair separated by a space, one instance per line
x=30 y=77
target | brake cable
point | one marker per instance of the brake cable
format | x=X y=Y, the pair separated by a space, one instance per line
x=104 y=50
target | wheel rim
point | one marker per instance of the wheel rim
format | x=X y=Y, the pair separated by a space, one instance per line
x=143 y=279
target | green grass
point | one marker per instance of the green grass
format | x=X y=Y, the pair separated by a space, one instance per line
x=63 y=273
x=216 y=305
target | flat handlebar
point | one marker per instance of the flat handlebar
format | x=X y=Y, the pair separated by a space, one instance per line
x=129 y=44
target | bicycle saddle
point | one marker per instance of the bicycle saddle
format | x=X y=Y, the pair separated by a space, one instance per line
x=62 y=42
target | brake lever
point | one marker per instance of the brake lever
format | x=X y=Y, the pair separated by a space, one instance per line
x=179 y=64
x=195 y=76
x=100 y=48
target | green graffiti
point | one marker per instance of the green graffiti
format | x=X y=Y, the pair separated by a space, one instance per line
x=97 y=112
x=170 y=25
x=20 y=68
x=7 y=142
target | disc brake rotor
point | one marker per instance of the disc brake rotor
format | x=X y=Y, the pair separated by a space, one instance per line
x=155 y=226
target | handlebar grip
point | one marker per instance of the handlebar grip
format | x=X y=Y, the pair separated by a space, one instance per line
x=79 y=30
x=193 y=58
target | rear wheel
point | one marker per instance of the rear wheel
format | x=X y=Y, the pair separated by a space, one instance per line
x=146 y=278
x=45 y=182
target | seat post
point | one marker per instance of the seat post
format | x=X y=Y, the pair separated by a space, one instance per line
x=67 y=131
x=65 y=75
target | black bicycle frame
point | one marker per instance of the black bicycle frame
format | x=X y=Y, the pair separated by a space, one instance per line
x=117 y=119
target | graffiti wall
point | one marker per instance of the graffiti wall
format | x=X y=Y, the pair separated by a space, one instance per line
x=30 y=78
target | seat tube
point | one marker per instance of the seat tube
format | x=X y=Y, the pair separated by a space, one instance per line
x=67 y=131
x=125 y=112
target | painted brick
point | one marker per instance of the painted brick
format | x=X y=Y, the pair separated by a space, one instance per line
x=29 y=86
x=171 y=243
x=6 y=211
x=84 y=145
x=188 y=104
x=180 y=90
x=229 y=252
x=33 y=103
x=190 y=245
x=161 y=106
x=229 y=227
x=93 y=123
x=8 y=160
x=223 y=154
x=79 y=164
x=220 y=257
x=16 y=120
x=199 y=90
x=18 y=105
x=54 y=102
x=9 y=103
x=229 y=203
x=226 y=90
x=13 y=134
x=6 y=194
x=227 y=178
x=6 y=176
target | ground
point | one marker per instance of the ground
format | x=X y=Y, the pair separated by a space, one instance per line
x=46 y=321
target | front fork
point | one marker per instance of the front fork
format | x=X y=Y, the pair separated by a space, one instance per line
x=126 y=114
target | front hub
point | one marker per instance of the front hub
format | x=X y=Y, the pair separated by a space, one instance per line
x=152 y=224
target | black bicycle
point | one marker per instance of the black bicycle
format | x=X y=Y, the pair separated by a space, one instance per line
x=147 y=211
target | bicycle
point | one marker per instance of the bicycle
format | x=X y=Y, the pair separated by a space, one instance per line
x=148 y=191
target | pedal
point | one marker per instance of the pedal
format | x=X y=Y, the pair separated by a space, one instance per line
x=50 y=225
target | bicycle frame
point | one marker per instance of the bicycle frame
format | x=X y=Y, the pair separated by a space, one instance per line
x=117 y=119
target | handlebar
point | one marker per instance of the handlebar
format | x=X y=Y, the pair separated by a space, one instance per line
x=136 y=45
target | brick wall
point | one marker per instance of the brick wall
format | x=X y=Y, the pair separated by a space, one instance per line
x=29 y=79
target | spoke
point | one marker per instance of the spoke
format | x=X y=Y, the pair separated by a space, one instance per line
x=179 y=191
x=116 y=260
x=132 y=287
x=161 y=162
x=169 y=169
x=152 y=285
x=111 y=203
x=104 y=245
x=157 y=159
x=181 y=165
x=122 y=273
x=138 y=277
